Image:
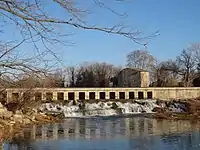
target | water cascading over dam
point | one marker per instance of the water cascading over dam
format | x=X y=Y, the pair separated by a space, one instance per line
x=109 y=108
x=105 y=101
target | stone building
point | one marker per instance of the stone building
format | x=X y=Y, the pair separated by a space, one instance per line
x=132 y=77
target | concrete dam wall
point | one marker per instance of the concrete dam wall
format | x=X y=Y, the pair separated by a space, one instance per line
x=164 y=93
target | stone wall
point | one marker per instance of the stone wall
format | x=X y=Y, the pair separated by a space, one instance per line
x=144 y=78
x=130 y=77
x=106 y=93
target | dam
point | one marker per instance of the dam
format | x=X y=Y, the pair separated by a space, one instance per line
x=54 y=94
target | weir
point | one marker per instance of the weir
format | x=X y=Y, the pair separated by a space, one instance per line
x=164 y=93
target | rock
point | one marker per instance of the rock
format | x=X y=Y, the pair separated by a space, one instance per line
x=44 y=118
x=59 y=115
x=143 y=111
x=1 y=106
x=74 y=102
x=18 y=112
x=160 y=103
x=28 y=111
x=5 y=114
x=58 y=107
x=114 y=105
x=82 y=105
x=26 y=121
x=2 y=110
x=18 y=118
x=140 y=102
x=119 y=111
x=102 y=104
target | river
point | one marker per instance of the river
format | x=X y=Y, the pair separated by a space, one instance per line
x=109 y=133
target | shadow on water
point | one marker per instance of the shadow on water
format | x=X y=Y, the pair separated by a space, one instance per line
x=107 y=133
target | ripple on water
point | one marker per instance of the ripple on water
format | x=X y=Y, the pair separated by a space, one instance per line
x=120 y=133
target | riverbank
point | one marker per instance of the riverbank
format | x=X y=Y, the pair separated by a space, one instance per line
x=190 y=110
x=12 y=124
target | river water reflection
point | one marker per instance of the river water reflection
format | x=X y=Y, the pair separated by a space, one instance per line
x=119 y=133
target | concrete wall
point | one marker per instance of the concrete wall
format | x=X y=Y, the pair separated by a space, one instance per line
x=105 y=93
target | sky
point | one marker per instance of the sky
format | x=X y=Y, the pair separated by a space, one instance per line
x=178 y=23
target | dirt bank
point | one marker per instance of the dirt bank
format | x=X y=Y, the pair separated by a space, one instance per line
x=190 y=110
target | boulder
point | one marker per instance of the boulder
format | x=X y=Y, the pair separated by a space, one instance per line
x=17 y=118
x=1 y=106
x=26 y=121
x=18 y=112
x=5 y=114
x=114 y=105
x=82 y=105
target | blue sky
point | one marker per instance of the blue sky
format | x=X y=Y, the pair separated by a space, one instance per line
x=177 y=20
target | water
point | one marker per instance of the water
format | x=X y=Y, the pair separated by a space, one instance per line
x=109 y=133
x=108 y=108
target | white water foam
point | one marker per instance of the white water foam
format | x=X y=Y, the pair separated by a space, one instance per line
x=101 y=108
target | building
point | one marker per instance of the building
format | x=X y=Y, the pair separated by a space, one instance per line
x=132 y=77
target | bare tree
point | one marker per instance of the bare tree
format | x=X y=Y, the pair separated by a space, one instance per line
x=166 y=74
x=13 y=65
x=71 y=73
x=187 y=64
x=103 y=73
x=39 y=25
x=94 y=74
x=85 y=77
x=141 y=59
x=195 y=48
x=36 y=22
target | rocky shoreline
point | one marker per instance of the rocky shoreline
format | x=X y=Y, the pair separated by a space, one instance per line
x=190 y=110
x=12 y=124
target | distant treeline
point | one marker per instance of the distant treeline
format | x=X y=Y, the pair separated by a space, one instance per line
x=184 y=70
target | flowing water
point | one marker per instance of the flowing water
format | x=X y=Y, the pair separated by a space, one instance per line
x=109 y=108
x=110 y=133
